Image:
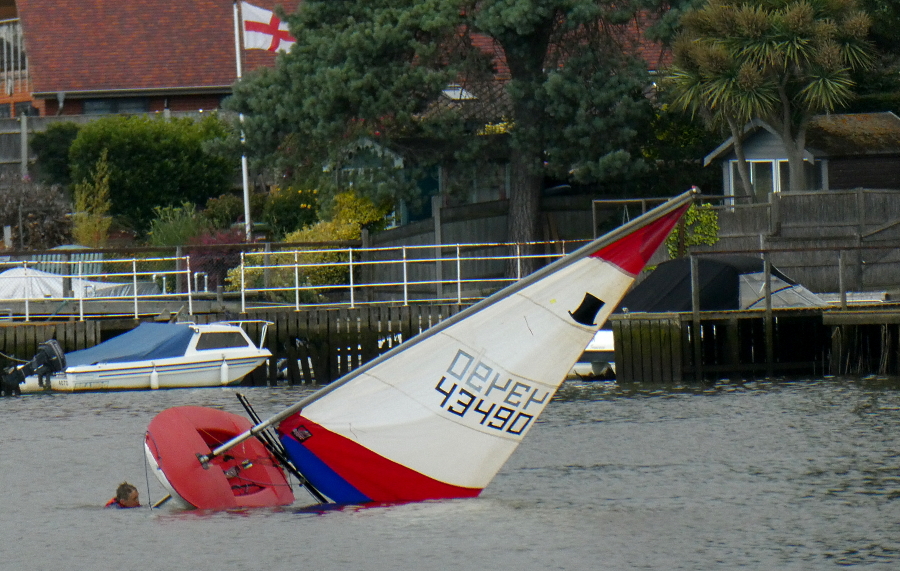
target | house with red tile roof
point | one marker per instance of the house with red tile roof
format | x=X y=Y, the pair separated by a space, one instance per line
x=107 y=56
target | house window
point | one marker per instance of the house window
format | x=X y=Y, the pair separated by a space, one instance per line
x=774 y=176
x=111 y=106
x=26 y=108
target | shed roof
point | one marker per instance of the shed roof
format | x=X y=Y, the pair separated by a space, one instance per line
x=833 y=135
x=111 y=46
x=854 y=134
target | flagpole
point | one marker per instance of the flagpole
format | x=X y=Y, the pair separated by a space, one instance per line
x=244 y=169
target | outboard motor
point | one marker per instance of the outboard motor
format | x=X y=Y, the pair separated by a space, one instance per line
x=48 y=360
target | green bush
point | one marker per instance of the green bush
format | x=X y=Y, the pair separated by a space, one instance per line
x=52 y=150
x=223 y=211
x=289 y=209
x=91 y=224
x=176 y=225
x=153 y=162
x=350 y=213
x=701 y=226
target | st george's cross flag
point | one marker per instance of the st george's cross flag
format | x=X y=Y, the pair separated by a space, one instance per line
x=263 y=30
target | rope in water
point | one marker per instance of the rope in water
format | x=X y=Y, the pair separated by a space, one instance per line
x=11 y=358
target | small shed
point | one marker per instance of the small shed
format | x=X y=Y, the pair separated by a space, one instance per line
x=843 y=151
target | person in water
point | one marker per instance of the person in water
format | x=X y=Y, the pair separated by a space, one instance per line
x=126 y=497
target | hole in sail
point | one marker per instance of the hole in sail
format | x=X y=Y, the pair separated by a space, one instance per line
x=587 y=311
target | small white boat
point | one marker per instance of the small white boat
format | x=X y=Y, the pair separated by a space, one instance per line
x=598 y=361
x=159 y=356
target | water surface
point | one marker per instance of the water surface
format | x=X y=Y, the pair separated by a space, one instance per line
x=764 y=475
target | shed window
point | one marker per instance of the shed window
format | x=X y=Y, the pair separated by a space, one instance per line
x=774 y=176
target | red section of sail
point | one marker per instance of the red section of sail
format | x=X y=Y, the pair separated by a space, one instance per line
x=243 y=477
x=632 y=252
x=374 y=476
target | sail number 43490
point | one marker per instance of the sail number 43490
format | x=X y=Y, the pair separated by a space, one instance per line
x=492 y=398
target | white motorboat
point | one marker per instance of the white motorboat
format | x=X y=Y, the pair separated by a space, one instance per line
x=159 y=356
x=598 y=361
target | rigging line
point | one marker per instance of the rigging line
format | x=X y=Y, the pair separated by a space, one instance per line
x=277 y=450
x=147 y=477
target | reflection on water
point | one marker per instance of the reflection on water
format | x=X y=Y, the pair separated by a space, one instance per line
x=759 y=475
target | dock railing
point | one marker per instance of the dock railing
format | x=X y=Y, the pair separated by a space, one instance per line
x=298 y=278
x=124 y=285
x=286 y=278
x=398 y=275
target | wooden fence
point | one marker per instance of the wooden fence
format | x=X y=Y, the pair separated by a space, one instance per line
x=308 y=347
x=20 y=340
x=815 y=236
x=742 y=345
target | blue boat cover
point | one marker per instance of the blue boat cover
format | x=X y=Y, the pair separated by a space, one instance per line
x=145 y=342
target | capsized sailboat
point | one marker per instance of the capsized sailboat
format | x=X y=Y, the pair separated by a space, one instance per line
x=438 y=416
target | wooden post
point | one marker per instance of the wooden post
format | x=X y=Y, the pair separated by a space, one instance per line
x=842 y=284
x=695 y=322
x=438 y=265
x=770 y=334
x=179 y=268
x=67 y=277
x=774 y=213
x=23 y=136
x=267 y=275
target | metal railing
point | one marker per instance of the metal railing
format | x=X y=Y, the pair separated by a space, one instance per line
x=316 y=277
x=348 y=277
x=135 y=281
x=291 y=278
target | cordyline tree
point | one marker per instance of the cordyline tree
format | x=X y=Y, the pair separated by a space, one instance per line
x=780 y=61
x=571 y=108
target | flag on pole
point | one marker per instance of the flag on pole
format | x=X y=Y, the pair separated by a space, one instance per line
x=263 y=30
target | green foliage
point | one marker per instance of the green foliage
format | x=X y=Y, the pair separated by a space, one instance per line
x=223 y=211
x=91 y=221
x=52 y=149
x=372 y=73
x=782 y=61
x=673 y=155
x=153 y=162
x=350 y=213
x=288 y=209
x=176 y=225
x=701 y=227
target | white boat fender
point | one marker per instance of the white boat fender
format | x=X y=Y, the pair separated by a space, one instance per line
x=223 y=372
x=154 y=378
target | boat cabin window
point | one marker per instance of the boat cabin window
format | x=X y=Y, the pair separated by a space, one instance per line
x=221 y=340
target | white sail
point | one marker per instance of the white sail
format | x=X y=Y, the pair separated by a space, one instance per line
x=441 y=414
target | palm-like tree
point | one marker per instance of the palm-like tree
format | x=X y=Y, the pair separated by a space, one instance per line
x=780 y=61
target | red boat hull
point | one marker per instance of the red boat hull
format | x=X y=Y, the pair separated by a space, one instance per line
x=245 y=476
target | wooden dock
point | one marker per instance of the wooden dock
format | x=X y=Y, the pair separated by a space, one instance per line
x=319 y=346
x=308 y=347
x=747 y=344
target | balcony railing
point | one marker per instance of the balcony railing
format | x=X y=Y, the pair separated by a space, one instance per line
x=13 y=60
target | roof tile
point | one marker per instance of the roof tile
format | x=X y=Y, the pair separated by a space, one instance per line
x=127 y=45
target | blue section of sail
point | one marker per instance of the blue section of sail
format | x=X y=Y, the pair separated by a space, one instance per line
x=323 y=478
x=145 y=342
